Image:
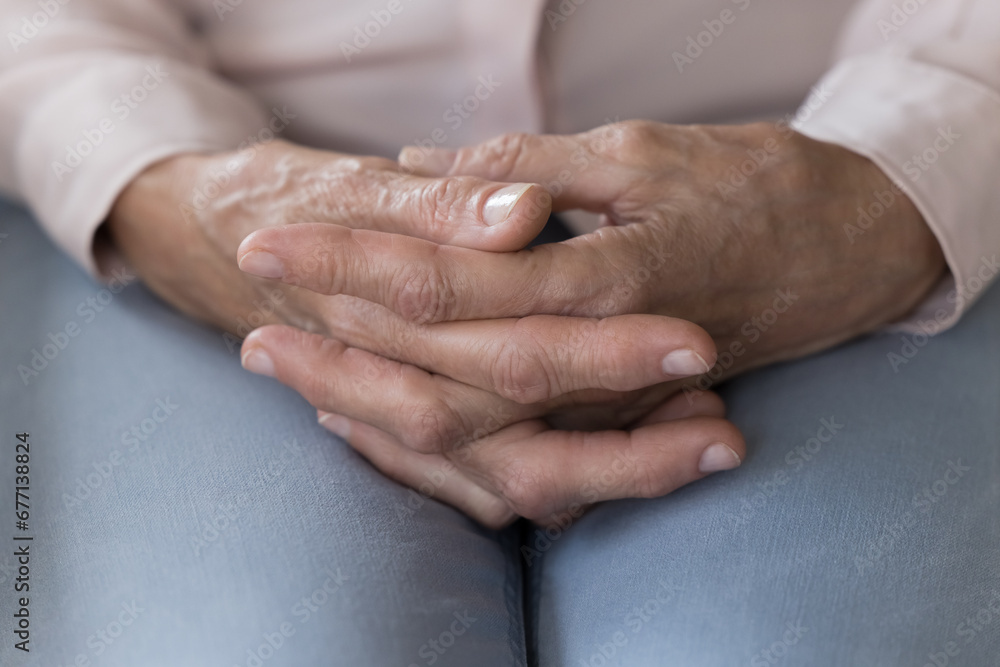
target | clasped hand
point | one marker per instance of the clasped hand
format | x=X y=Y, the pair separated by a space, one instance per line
x=534 y=382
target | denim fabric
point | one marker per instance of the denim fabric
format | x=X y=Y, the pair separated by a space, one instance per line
x=188 y=513
x=228 y=516
x=863 y=528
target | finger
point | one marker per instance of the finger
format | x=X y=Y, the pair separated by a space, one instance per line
x=431 y=476
x=707 y=404
x=579 y=170
x=437 y=477
x=540 y=472
x=679 y=406
x=604 y=273
x=428 y=413
x=462 y=211
x=536 y=358
x=371 y=193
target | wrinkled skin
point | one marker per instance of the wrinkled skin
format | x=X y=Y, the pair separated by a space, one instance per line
x=180 y=222
x=442 y=357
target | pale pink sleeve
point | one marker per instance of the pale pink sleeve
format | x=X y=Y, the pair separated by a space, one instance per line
x=94 y=91
x=917 y=90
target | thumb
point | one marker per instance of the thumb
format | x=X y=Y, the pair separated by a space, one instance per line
x=579 y=171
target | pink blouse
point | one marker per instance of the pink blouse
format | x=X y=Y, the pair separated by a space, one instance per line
x=94 y=91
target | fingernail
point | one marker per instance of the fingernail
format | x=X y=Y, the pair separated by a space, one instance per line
x=718 y=457
x=430 y=161
x=262 y=264
x=258 y=361
x=685 y=363
x=336 y=424
x=500 y=204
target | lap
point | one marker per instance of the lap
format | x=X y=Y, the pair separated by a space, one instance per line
x=861 y=530
x=186 y=512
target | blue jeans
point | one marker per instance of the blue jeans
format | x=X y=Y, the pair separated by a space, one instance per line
x=185 y=512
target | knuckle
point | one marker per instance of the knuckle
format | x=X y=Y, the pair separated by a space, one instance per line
x=631 y=276
x=319 y=267
x=634 y=137
x=357 y=192
x=369 y=164
x=317 y=387
x=436 y=202
x=351 y=192
x=650 y=482
x=611 y=364
x=423 y=296
x=317 y=200
x=501 y=156
x=317 y=391
x=524 y=488
x=358 y=165
x=260 y=163
x=496 y=515
x=431 y=202
x=433 y=428
x=521 y=376
x=266 y=156
x=522 y=371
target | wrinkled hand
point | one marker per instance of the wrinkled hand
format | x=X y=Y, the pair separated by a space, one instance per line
x=740 y=229
x=179 y=224
x=759 y=258
x=745 y=230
